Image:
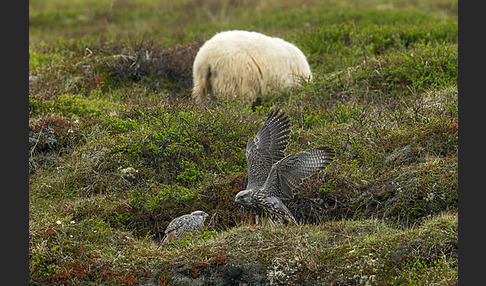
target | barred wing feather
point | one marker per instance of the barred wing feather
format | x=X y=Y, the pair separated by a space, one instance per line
x=290 y=172
x=266 y=148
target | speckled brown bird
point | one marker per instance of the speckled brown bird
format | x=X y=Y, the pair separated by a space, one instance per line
x=272 y=176
x=180 y=227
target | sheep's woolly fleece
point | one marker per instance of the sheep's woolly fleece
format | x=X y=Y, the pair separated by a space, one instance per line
x=242 y=64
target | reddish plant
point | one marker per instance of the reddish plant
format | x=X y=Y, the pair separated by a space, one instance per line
x=218 y=259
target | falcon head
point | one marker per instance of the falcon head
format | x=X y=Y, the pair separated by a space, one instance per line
x=200 y=214
x=244 y=197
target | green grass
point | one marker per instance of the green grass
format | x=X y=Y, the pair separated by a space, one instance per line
x=64 y=250
x=118 y=148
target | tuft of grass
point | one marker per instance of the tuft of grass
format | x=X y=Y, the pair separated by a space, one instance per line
x=66 y=251
x=332 y=48
x=350 y=252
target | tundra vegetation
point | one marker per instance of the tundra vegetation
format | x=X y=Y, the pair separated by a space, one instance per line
x=118 y=148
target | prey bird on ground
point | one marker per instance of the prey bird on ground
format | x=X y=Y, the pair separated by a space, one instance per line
x=272 y=176
x=181 y=227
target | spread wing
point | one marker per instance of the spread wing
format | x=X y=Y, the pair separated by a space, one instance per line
x=289 y=173
x=266 y=148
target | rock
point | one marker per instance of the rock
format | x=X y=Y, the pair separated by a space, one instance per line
x=233 y=273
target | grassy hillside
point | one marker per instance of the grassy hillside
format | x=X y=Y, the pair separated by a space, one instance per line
x=118 y=148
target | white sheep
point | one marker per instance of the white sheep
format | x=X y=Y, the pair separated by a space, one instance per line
x=244 y=64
